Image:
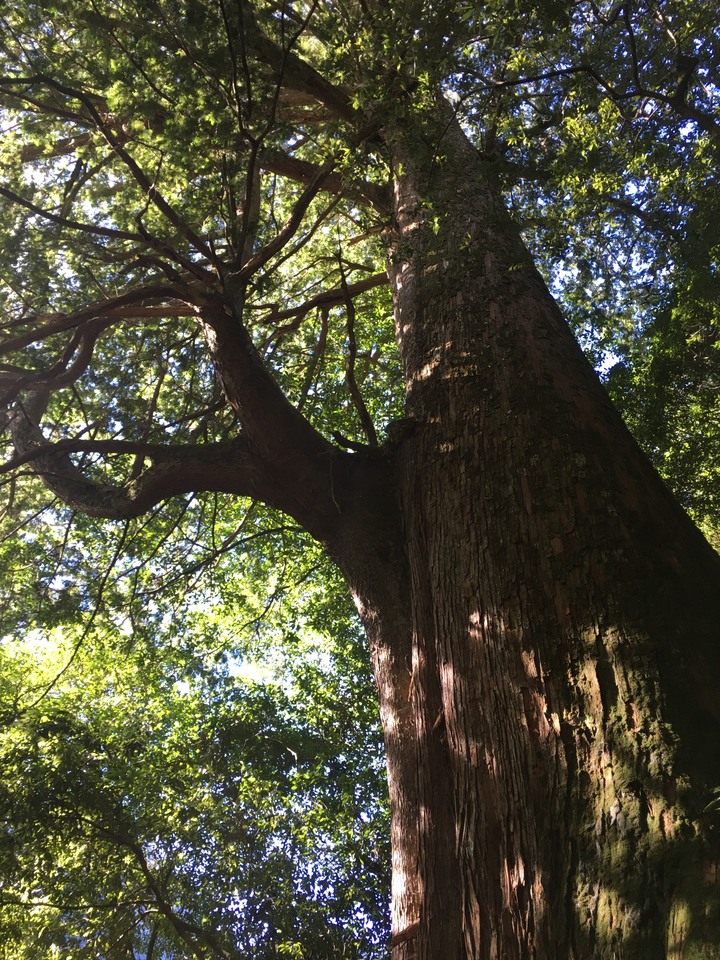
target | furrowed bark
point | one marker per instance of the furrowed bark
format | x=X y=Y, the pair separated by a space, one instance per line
x=564 y=612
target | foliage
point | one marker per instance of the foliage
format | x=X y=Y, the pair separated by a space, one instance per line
x=189 y=738
x=198 y=773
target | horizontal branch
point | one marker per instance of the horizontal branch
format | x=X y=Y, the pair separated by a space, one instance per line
x=650 y=220
x=232 y=467
x=328 y=298
x=275 y=161
x=82 y=907
x=128 y=304
x=153 y=451
x=61 y=148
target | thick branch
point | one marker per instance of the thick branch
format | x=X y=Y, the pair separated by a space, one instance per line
x=283 y=436
x=293 y=72
x=686 y=111
x=221 y=467
x=275 y=161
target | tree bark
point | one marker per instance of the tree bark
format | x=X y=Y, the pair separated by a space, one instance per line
x=559 y=733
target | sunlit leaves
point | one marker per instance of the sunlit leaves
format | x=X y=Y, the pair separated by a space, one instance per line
x=151 y=129
x=208 y=774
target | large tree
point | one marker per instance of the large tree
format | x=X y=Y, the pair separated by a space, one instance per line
x=202 y=204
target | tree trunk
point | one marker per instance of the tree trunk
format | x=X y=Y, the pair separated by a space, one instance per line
x=548 y=665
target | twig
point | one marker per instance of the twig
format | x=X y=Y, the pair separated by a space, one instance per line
x=368 y=427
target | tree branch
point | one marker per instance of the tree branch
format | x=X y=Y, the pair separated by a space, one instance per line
x=90 y=228
x=116 y=143
x=233 y=467
x=278 y=430
x=275 y=161
x=289 y=228
x=294 y=72
x=198 y=939
x=325 y=299
x=368 y=426
x=66 y=370
x=130 y=304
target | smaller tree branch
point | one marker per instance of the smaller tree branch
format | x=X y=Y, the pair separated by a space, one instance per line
x=608 y=19
x=292 y=71
x=368 y=427
x=647 y=218
x=317 y=353
x=198 y=939
x=116 y=143
x=66 y=370
x=289 y=228
x=326 y=299
x=61 y=148
x=131 y=304
x=90 y=228
x=677 y=100
x=250 y=220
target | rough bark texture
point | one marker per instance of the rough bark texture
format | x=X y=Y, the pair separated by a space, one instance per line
x=563 y=620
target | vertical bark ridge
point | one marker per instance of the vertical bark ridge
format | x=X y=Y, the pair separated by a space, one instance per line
x=439 y=881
